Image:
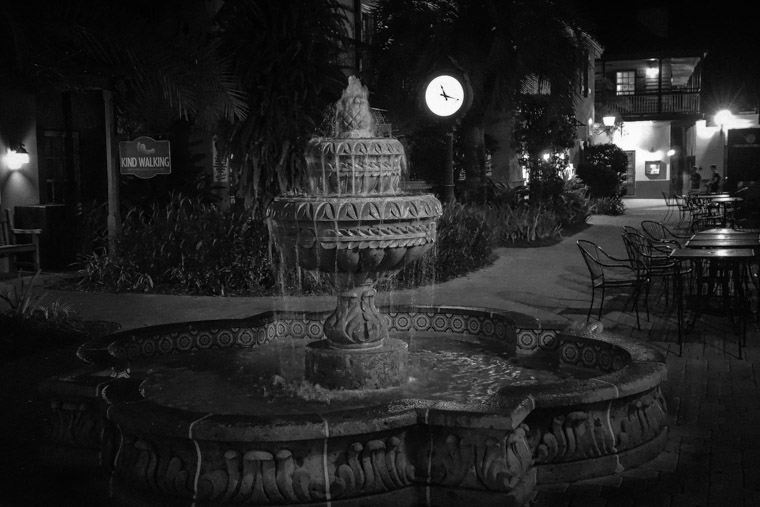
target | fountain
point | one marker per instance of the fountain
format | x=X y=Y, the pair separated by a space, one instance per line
x=355 y=226
x=406 y=405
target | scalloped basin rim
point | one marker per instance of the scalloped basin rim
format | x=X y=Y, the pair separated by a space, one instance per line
x=171 y=422
x=644 y=371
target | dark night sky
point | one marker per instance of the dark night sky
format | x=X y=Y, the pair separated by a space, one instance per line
x=729 y=30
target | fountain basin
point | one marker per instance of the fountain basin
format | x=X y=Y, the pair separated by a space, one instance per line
x=409 y=451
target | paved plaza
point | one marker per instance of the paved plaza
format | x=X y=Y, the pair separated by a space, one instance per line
x=713 y=452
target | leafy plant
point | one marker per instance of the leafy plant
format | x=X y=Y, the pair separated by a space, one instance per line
x=287 y=55
x=22 y=301
x=27 y=324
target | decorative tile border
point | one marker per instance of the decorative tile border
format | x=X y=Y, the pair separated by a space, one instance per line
x=576 y=350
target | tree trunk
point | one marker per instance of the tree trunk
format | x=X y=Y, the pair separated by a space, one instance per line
x=473 y=142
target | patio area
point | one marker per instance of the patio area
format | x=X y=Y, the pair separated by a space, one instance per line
x=713 y=452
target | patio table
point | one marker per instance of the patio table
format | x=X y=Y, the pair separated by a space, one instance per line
x=718 y=273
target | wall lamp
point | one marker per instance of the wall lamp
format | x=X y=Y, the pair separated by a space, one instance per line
x=16 y=158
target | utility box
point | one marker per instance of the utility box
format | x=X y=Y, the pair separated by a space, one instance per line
x=742 y=157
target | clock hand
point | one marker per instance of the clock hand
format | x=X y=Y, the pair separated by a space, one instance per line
x=443 y=94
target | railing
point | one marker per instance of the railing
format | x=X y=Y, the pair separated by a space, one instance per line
x=653 y=103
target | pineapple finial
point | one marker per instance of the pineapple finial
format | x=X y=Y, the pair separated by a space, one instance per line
x=352 y=115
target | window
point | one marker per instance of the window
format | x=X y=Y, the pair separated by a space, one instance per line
x=625 y=82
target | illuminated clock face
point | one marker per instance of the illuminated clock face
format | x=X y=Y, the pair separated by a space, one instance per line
x=444 y=95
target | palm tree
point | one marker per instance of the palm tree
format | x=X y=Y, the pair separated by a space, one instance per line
x=288 y=56
x=156 y=56
x=502 y=45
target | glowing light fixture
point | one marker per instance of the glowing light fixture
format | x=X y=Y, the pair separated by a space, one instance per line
x=652 y=72
x=671 y=152
x=14 y=159
x=609 y=121
x=723 y=117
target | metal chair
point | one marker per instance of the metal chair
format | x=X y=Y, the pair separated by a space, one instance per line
x=660 y=233
x=608 y=272
x=660 y=250
x=683 y=209
x=702 y=215
x=670 y=203
x=642 y=254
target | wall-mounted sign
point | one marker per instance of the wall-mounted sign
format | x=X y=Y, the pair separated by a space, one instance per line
x=145 y=157
x=654 y=170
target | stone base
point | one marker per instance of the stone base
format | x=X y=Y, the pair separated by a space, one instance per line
x=372 y=368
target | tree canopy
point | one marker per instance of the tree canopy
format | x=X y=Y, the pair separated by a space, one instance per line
x=506 y=47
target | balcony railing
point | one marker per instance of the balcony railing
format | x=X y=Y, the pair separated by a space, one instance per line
x=651 y=104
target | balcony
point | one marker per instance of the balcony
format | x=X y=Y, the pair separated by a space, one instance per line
x=652 y=105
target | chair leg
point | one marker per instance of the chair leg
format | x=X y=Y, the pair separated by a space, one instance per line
x=601 y=305
x=591 y=306
x=636 y=306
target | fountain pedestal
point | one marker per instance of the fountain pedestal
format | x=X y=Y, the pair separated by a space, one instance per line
x=377 y=367
x=356 y=323
x=357 y=353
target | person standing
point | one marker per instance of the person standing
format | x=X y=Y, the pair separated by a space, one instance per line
x=713 y=187
x=695 y=180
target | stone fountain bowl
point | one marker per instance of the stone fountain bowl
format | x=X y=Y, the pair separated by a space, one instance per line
x=363 y=237
x=401 y=451
x=358 y=166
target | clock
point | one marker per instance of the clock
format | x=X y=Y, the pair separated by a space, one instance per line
x=445 y=95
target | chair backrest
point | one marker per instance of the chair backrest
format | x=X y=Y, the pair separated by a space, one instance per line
x=590 y=253
x=639 y=250
x=655 y=230
x=658 y=231
x=6 y=229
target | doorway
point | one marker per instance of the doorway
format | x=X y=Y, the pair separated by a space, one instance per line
x=630 y=174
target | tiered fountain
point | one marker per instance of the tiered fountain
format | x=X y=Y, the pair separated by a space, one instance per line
x=355 y=226
x=410 y=406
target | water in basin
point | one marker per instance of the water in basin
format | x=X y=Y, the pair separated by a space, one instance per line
x=269 y=380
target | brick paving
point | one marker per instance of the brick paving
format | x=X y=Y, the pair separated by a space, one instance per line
x=713 y=451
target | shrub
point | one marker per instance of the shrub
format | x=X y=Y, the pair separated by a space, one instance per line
x=192 y=247
x=187 y=246
x=608 y=206
x=603 y=169
x=601 y=181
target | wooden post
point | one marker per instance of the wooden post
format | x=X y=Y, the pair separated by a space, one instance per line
x=114 y=216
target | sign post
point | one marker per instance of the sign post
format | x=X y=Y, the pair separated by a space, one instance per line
x=114 y=217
